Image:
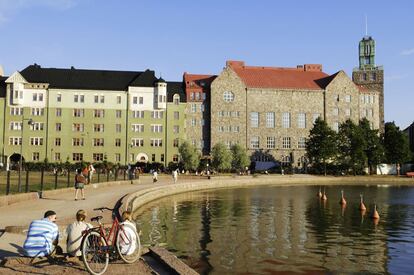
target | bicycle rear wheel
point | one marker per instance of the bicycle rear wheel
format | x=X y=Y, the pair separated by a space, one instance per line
x=95 y=255
x=128 y=244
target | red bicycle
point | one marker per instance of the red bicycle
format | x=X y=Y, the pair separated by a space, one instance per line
x=99 y=243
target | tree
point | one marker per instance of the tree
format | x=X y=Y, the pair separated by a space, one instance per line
x=221 y=157
x=374 y=149
x=190 y=157
x=239 y=157
x=351 y=146
x=395 y=144
x=321 y=145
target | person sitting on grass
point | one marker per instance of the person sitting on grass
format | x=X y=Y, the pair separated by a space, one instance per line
x=74 y=233
x=42 y=237
x=128 y=243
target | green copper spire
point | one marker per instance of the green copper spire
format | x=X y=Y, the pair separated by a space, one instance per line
x=367 y=53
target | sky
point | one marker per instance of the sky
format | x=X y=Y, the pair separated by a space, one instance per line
x=172 y=37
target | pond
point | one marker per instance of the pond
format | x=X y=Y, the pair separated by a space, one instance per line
x=273 y=229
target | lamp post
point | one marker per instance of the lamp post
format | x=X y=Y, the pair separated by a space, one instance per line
x=31 y=123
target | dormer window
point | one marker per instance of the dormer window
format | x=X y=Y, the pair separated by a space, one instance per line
x=176 y=99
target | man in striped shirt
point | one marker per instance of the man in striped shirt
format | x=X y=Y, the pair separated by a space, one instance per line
x=42 y=236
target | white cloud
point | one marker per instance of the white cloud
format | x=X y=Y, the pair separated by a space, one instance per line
x=8 y=8
x=408 y=52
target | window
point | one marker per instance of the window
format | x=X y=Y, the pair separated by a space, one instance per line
x=98 y=142
x=76 y=98
x=370 y=113
x=235 y=114
x=96 y=99
x=364 y=76
x=270 y=120
x=192 y=96
x=193 y=122
x=102 y=99
x=141 y=100
x=156 y=128
x=175 y=158
x=286 y=143
x=302 y=120
x=59 y=98
x=193 y=107
x=176 y=99
x=40 y=97
x=176 y=142
x=35 y=156
x=77 y=127
x=138 y=128
x=77 y=142
x=286 y=120
x=15 y=125
x=97 y=157
x=236 y=129
x=197 y=96
x=118 y=99
x=335 y=111
x=348 y=112
x=162 y=158
x=58 y=112
x=302 y=143
x=118 y=142
x=98 y=128
x=78 y=112
x=228 y=96
x=118 y=128
x=118 y=113
x=254 y=142
x=117 y=157
x=202 y=108
x=77 y=156
x=36 y=141
x=156 y=142
x=138 y=114
x=38 y=111
x=176 y=115
x=58 y=127
x=135 y=100
x=58 y=141
x=57 y=156
x=176 y=129
x=202 y=122
x=373 y=76
x=271 y=143
x=16 y=111
x=37 y=126
x=348 y=98
x=153 y=157
x=98 y=113
x=336 y=126
x=137 y=142
x=157 y=114
x=82 y=98
x=15 y=141
x=254 y=119
x=34 y=97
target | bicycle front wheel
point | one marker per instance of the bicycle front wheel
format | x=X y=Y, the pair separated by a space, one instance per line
x=128 y=244
x=95 y=254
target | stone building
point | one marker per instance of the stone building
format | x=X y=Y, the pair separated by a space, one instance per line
x=197 y=88
x=409 y=131
x=270 y=110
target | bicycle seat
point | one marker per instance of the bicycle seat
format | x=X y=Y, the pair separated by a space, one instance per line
x=96 y=219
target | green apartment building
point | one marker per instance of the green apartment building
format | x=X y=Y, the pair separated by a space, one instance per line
x=90 y=115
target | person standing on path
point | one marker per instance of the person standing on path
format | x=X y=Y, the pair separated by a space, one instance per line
x=91 y=171
x=79 y=184
x=175 y=175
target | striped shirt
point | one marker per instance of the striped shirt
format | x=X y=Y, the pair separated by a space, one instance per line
x=40 y=237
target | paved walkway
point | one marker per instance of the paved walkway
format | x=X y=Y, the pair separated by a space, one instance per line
x=63 y=203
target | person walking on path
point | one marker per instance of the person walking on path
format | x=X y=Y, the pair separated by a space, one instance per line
x=79 y=184
x=42 y=237
x=74 y=233
x=91 y=171
x=154 y=176
x=175 y=175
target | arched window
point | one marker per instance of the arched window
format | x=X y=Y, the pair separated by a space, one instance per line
x=176 y=99
x=228 y=96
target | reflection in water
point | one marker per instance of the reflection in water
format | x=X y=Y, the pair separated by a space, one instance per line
x=266 y=230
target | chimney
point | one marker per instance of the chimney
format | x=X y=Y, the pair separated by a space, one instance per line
x=234 y=64
x=313 y=67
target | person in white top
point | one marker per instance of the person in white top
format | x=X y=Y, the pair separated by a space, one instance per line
x=175 y=176
x=128 y=235
x=74 y=233
x=155 y=176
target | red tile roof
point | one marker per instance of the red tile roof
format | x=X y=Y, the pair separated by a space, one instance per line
x=302 y=77
x=198 y=81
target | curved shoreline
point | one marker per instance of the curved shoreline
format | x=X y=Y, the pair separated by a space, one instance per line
x=135 y=200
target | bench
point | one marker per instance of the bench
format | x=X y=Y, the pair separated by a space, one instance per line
x=410 y=174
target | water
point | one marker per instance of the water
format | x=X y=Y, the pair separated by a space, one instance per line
x=270 y=230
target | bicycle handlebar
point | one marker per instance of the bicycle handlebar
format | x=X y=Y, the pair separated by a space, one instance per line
x=102 y=209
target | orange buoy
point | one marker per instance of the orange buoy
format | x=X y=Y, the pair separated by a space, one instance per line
x=342 y=201
x=319 y=194
x=375 y=215
x=361 y=204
